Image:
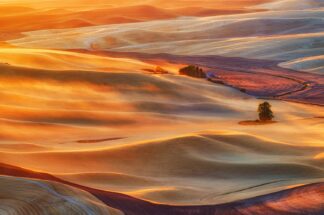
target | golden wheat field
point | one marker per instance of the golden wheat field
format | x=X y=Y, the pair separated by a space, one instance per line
x=160 y=107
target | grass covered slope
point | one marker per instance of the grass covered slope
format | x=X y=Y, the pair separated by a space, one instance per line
x=283 y=35
x=28 y=196
x=124 y=131
x=91 y=97
x=300 y=199
x=25 y=16
x=237 y=166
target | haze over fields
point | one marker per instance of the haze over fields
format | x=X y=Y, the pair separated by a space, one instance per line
x=90 y=125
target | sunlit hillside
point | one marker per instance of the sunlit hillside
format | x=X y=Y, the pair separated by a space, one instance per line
x=95 y=113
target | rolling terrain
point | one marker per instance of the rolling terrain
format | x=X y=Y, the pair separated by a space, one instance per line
x=276 y=203
x=90 y=125
x=288 y=36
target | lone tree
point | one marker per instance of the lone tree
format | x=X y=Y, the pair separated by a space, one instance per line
x=265 y=112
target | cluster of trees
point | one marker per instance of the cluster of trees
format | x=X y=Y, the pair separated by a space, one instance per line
x=193 y=71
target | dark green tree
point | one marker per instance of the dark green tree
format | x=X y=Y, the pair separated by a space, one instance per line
x=193 y=71
x=265 y=112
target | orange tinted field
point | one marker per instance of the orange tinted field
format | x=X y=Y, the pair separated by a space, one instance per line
x=31 y=17
x=84 y=103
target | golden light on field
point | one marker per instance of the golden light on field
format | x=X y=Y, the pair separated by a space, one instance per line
x=91 y=94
